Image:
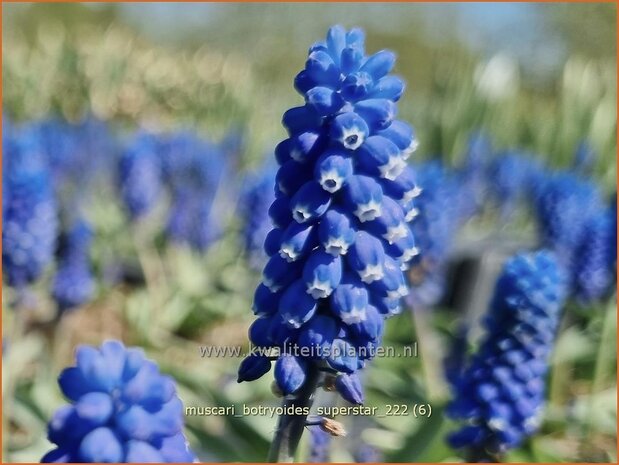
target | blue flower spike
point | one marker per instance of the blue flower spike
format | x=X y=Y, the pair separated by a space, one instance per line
x=340 y=239
x=121 y=410
x=140 y=175
x=29 y=210
x=74 y=283
x=500 y=393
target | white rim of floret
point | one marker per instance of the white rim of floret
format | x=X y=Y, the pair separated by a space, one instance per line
x=372 y=273
x=347 y=133
x=355 y=315
x=319 y=289
x=400 y=231
x=269 y=283
x=301 y=214
x=408 y=151
x=292 y=320
x=411 y=214
x=334 y=177
x=336 y=246
x=288 y=254
x=393 y=168
x=368 y=211
x=411 y=194
x=399 y=292
x=395 y=311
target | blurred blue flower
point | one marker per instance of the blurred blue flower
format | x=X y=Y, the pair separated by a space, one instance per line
x=121 y=410
x=97 y=151
x=594 y=259
x=256 y=197
x=59 y=142
x=320 y=445
x=191 y=221
x=564 y=203
x=195 y=171
x=471 y=176
x=500 y=394
x=612 y=239
x=78 y=154
x=344 y=192
x=368 y=454
x=30 y=213
x=512 y=177
x=139 y=174
x=434 y=228
x=74 y=284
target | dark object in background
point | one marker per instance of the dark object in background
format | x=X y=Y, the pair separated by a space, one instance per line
x=472 y=272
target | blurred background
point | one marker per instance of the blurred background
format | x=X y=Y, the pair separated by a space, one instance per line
x=155 y=126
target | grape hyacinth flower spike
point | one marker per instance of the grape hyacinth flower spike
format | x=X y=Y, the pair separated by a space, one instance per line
x=122 y=409
x=500 y=394
x=140 y=175
x=74 y=283
x=340 y=240
x=30 y=211
x=594 y=260
x=564 y=205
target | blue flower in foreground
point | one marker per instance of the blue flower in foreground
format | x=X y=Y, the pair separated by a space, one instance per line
x=434 y=228
x=74 y=283
x=500 y=394
x=340 y=241
x=30 y=211
x=254 y=204
x=122 y=410
x=563 y=205
x=140 y=175
x=594 y=260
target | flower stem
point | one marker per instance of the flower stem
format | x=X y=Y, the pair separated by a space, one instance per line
x=290 y=427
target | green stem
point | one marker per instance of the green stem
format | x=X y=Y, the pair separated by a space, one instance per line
x=290 y=427
x=431 y=355
x=603 y=360
x=561 y=371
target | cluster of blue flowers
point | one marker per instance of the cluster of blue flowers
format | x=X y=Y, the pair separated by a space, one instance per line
x=192 y=170
x=340 y=241
x=574 y=220
x=74 y=283
x=122 y=410
x=139 y=175
x=29 y=209
x=500 y=393
x=49 y=166
x=513 y=177
x=53 y=167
